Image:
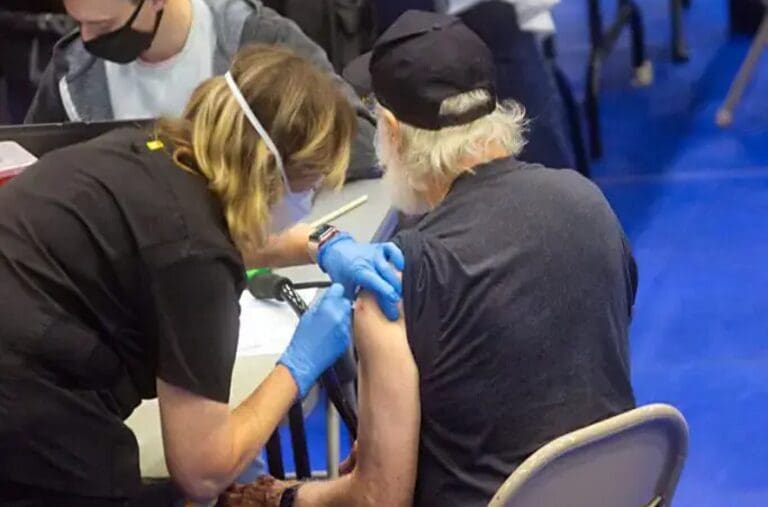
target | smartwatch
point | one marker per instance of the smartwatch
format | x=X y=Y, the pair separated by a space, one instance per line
x=288 y=498
x=319 y=237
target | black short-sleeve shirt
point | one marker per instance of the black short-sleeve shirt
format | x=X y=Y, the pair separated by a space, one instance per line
x=116 y=268
x=518 y=291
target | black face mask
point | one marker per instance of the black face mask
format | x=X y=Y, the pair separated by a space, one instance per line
x=125 y=44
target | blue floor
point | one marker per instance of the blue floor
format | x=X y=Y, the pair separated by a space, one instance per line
x=694 y=201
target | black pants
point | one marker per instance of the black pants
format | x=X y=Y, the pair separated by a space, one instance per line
x=525 y=76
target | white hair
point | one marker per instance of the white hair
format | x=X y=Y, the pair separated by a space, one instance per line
x=438 y=154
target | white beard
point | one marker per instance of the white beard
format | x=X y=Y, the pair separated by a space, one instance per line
x=404 y=197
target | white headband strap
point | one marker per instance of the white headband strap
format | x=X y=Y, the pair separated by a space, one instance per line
x=256 y=125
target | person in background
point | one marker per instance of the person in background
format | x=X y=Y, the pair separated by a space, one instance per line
x=517 y=292
x=136 y=59
x=121 y=268
x=28 y=31
x=513 y=32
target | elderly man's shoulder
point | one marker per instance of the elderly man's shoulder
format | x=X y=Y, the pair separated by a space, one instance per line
x=554 y=176
x=563 y=186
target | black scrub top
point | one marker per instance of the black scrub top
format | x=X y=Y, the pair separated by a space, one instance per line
x=116 y=268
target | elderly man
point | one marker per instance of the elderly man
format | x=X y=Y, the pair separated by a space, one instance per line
x=513 y=30
x=517 y=292
x=143 y=58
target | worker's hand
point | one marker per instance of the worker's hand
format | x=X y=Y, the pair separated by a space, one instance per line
x=365 y=266
x=323 y=335
x=266 y=491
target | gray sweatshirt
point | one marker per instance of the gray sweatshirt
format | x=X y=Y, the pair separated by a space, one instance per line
x=74 y=85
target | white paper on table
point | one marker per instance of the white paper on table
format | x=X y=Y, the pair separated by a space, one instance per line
x=266 y=327
x=14 y=159
x=533 y=15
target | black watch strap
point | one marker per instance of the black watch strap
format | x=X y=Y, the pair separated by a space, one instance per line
x=322 y=234
x=288 y=497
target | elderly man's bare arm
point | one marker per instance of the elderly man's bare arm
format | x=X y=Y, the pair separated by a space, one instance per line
x=389 y=419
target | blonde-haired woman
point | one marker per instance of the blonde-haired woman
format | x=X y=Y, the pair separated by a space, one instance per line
x=121 y=263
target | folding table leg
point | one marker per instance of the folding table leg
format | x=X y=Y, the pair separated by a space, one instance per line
x=275 y=456
x=299 y=442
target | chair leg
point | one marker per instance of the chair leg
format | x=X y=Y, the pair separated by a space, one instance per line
x=592 y=105
x=595 y=23
x=574 y=122
x=572 y=109
x=680 y=52
x=602 y=44
x=725 y=113
x=549 y=49
x=275 y=456
x=299 y=442
x=642 y=66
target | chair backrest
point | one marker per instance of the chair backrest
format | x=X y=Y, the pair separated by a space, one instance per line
x=631 y=460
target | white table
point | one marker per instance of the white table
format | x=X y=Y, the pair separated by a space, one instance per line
x=251 y=369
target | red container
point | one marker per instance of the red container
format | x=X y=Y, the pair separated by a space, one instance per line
x=5 y=179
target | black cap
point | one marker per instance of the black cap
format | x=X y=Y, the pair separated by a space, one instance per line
x=421 y=60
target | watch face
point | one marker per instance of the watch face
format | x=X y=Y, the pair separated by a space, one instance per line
x=318 y=233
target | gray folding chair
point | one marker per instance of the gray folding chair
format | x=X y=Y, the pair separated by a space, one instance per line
x=724 y=116
x=631 y=460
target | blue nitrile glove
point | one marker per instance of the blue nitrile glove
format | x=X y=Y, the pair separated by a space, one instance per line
x=323 y=335
x=365 y=266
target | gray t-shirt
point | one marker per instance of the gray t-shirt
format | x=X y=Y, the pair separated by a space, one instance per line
x=518 y=294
